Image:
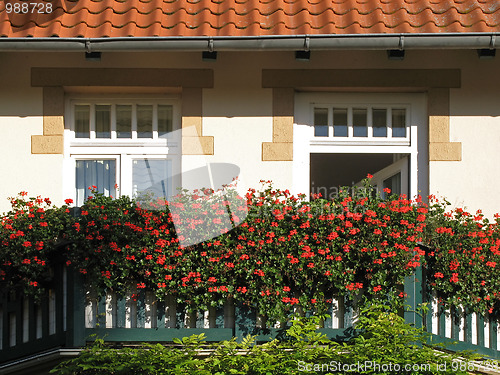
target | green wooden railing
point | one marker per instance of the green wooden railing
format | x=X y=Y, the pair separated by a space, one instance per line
x=68 y=317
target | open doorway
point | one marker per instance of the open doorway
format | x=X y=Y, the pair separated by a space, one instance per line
x=331 y=171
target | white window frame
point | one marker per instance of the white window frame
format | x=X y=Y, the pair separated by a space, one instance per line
x=123 y=150
x=415 y=145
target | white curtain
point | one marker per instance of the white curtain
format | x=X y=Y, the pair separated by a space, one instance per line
x=99 y=173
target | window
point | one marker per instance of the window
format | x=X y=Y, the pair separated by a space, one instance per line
x=339 y=138
x=362 y=123
x=121 y=146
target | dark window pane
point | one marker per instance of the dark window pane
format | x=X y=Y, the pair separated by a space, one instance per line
x=82 y=121
x=103 y=121
x=164 y=119
x=320 y=122
x=393 y=183
x=359 y=122
x=379 y=122
x=399 y=123
x=144 y=121
x=340 y=122
x=123 y=121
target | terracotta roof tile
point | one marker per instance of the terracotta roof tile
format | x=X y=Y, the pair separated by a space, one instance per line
x=117 y=18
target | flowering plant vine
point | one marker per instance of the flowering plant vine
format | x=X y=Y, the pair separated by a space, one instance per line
x=270 y=250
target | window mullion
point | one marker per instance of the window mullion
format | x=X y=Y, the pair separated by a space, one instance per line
x=389 y=122
x=155 y=121
x=350 y=123
x=369 y=122
x=113 y=121
x=92 y=121
x=134 y=121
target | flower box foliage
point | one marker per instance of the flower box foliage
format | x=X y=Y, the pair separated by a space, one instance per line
x=279 y=252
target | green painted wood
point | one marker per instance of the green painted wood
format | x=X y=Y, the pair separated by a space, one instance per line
x=200 y=319
x=468 y=327
x=19 y=320
x=493 y=334
x=76 y=311
x=32 y=319
x=414 y=294
x=121 y=305
x=101 y=312
x=141 y=310
x=219 y=317
x=348 y=312
x=5 y=328
x=156 y=335
x=244 y=322
x=429 y=314
x=59 y=299
x=32 y=347
x=441 y=321
x=480 y=330
x=160 y=314
x=454 y=345
x=44 y=306
x=180 y=317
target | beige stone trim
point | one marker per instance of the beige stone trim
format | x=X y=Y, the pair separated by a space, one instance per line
x=445 y=151
x=47 y=144
x=360 y=78
x=193 y=141
x=281 y=148
x=198 y=145
x=281 y=151
x=438 y=108
x=53 y=111
x=142 y=77
x=51 y=142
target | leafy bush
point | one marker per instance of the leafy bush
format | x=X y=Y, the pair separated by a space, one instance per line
x=464 y=258
x=383 y=340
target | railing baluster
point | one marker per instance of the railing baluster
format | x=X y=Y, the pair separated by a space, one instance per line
x=461 y=327
x=338 y=312
x=90 y=311
x=435 y=314
x=474 y=328
x=110 y=310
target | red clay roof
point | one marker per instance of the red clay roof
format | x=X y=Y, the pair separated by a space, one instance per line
x=166 y=18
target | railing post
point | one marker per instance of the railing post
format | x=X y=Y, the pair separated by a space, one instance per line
x=413 y=287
